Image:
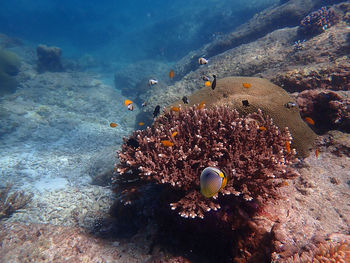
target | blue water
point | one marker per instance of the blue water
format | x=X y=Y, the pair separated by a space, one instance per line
x=125 y=31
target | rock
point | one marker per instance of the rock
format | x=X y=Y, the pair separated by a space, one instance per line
x=49 y=59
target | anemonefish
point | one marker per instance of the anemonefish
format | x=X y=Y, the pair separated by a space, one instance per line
x=152 y=82
x=171 y=74
x=202 y=61
x=212 y=180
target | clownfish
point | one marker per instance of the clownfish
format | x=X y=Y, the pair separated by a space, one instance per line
x=212 y=180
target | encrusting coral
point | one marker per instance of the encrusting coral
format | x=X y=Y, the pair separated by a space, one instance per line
x=326 y=252
x=254 y=153
x=9 y=203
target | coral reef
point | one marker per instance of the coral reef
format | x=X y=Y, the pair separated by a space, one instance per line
x=324 y=252
x=263 y=95
x=208 y=137
x=333 y=77
x=9 y=67
x=318 y=21
x=329 y=109
x=49 y=59
x=10 y=203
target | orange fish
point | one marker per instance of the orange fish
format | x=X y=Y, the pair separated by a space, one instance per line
x=207 y=83
x=113 y=124
x=309 y=121
x=285 y=183
x=287 y=146
x=262 y=128
x=317 y=152
x=171 y=74
x=201 y=105
x=167 y=143
x=127 y=102
x=173 y=134
x=247 y=85
x=175 y=108
x=141 y=123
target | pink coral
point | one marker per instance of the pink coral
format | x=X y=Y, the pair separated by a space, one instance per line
x=255 y=159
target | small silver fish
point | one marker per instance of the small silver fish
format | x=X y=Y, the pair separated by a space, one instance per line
x=152 y=82
x=202 y=61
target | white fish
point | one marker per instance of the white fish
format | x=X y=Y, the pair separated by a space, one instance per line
x=202 y=61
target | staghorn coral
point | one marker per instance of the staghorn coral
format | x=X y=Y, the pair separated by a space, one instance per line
x=318 y=21
x=255 y=160
x=9 y=203
x=326 y=252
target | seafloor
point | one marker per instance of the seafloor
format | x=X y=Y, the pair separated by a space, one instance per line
x=56 y=142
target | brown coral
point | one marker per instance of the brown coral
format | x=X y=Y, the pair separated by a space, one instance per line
x=256 y=159
x=9 y=203
x=326 y=252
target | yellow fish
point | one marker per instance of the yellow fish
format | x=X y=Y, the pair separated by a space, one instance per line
x=247 y=85
x=212 y=180
x=175 y=108
x=173 y=134
x=141 y=123
x=207 y=83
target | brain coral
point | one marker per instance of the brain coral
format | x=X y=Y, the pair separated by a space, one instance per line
x=261 y=94
x=251 y=149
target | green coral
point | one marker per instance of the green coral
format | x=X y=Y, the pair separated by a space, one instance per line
x=9 y=67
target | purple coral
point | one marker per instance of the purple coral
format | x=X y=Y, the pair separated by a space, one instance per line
x=251 y=149
x=318 y=21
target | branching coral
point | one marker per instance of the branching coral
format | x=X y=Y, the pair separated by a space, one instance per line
x=318 y=21
x=250 y=149
x=9 y=203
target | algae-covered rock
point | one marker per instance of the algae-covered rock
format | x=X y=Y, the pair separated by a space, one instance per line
x=259 y=94
x=9 y=67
